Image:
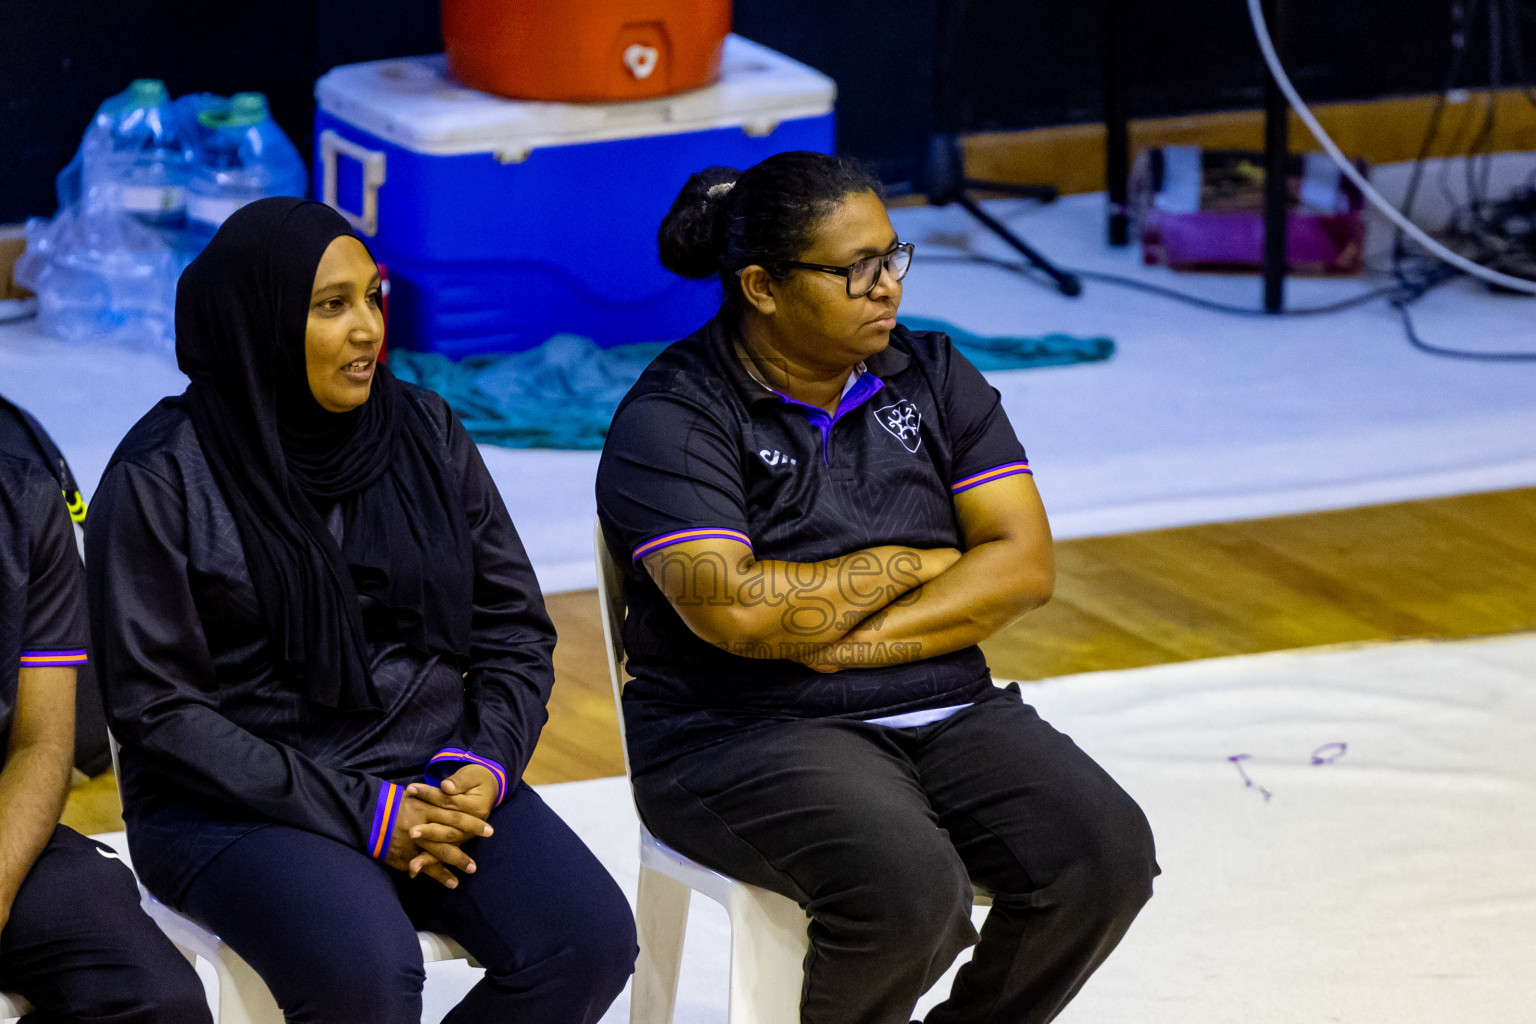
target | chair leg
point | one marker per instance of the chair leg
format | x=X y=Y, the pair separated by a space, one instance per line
x=661 y=916
x=769 y=942
x=243 y=996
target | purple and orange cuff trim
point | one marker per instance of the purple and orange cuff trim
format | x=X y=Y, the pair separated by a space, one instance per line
x=455 y=755
x=680 y=536
x=53 y=659
x=987 y=476
x=384 y=813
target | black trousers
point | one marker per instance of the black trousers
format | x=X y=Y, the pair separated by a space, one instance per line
x=880 y=834
x=80 y=949
x=332 y=932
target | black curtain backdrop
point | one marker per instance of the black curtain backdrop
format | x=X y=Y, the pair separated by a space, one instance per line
x=60 y=58
x=1017 y=64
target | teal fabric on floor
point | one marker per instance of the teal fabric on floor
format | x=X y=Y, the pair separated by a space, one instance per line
x=1017 y=353
x=563 y=393
x=560 y=395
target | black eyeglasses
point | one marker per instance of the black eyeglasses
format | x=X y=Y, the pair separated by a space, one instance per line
x=865 y=274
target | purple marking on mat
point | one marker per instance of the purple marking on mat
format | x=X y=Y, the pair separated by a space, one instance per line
x=1329 y=753
x=1237 y=762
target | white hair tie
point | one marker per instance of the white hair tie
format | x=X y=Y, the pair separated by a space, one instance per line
x=716 y=191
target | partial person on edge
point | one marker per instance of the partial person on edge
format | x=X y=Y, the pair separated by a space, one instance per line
x=73 y=938
x=23 y=436
x=327 y=658
x=821 y=513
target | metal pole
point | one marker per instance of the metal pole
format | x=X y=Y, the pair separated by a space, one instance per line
x=1067 y=283
x=1116 y=131
x=1277 y=155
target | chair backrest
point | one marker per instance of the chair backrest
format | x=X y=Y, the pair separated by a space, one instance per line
x=610 y=598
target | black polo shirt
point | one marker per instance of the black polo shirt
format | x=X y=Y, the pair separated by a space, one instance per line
x=42 y=585
x=699 y=448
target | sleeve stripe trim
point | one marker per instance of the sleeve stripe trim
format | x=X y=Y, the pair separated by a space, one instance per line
x=987 y=476
x=53 y=659
x=384 y=820
x=679 y=536
x=455 y=754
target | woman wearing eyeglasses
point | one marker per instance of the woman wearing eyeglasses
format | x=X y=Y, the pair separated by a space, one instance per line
x=821 y=514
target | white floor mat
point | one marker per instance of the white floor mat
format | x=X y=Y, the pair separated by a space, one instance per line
x=1370 y=859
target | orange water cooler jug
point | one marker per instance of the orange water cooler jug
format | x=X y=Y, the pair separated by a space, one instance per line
x=585 y=51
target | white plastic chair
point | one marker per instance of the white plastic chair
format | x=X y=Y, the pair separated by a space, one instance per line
x=12 y=1006
x=769 y=939
x=243 y=997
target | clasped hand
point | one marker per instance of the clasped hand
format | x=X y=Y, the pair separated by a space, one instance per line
x=435 y=821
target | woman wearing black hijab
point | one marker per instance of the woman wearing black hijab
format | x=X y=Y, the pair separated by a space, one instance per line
x=326 y=657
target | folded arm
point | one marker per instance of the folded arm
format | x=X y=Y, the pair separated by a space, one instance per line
x=778 y=609
x=1008 y=568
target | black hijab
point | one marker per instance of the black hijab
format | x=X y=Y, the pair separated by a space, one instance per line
x=404 y=569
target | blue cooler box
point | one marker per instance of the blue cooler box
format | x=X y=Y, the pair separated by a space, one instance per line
x=504 y=222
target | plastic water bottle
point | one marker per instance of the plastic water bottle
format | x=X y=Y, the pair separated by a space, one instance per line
x=136 y=153
x=102 y=277
x=242 y=156
x=104 y=269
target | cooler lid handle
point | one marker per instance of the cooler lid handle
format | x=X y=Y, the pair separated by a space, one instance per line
x=333 y=144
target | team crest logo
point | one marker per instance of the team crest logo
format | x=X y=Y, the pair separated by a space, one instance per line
x=902 y=420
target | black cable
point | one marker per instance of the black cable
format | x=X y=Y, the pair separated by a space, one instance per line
x=1504 y=40
x=1222 y=307
x=1399 y=237
x=1481 y=221
x=1434 y=276
x=1399 y=296
x=1452 y=353
x=1479 y=172
x=1024 y=270
x=1462 y=14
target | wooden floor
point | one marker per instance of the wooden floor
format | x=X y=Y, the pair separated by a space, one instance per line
x=1449 y=567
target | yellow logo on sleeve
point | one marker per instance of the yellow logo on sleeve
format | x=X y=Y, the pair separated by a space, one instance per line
x=76 y=506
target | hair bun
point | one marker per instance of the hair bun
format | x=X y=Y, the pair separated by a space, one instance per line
x=691 y=239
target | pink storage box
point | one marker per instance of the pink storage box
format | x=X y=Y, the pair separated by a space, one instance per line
x=1203 y=211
